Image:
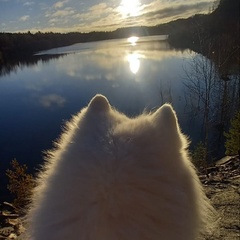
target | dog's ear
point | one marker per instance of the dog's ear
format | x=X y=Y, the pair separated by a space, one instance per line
x=166 y=123
x=99 y=103
x=166 y=117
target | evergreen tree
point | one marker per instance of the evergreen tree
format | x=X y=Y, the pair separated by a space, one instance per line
x=20 y=184
x=232 y=143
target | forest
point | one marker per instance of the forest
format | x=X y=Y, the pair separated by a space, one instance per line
x=215 y=35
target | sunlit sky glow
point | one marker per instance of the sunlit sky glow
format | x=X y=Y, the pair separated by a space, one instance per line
x=93 y=15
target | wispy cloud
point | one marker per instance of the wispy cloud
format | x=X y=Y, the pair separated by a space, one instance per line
x=104 y=16
x=66 y=15
x=24 y=18
x=52 y=100
x=28 y=4
x=100 y=8
x=63 y=13
x=60 y=4
x=95 y=12
x=164 y=11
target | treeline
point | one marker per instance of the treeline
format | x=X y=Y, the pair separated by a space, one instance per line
x=22 y=45
x=25 y=44
x=216 y=35
x=223 y=20
x=19 y=48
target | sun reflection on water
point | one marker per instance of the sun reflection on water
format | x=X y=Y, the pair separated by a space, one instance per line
x=134 y=62
x=133 y=40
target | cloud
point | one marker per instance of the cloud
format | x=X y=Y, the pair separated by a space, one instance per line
x=60 y=4
x=100 y=9
x=94 y=12
x=58 y=16
x=61 y=18
x=51 y=100
x=66 y=15
x=63 y=13
x=107 y=17
x=24 y=18
x=99 y=17
x=28 y=4
x=158 y=12
x=176 y=10
x=53 y=20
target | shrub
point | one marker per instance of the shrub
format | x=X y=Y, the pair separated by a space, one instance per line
x=199 y=155
x=232 y=143
x=20 y=184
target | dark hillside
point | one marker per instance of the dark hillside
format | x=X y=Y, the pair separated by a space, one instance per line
x=223 y=20
x=216 y=35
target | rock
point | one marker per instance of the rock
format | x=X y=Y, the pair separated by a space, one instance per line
x=224 y=160
x=10 y=222
x=6 y=231
x=224 y=170
x=12 y=236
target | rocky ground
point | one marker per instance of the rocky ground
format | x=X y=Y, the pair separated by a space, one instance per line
x=10 y=222
x=222 y=186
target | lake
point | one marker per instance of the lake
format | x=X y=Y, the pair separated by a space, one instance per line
x=136 y=75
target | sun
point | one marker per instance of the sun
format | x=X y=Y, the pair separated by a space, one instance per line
x=130 y=7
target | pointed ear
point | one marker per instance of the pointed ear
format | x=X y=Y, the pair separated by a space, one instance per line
x=99 y=103
x=166 y=124
x=166 y=117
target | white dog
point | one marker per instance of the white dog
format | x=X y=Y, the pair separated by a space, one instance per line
x=116 y=178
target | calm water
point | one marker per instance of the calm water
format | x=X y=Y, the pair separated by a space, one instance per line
x=35 y=100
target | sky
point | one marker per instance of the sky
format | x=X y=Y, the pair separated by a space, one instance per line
x=93 y=15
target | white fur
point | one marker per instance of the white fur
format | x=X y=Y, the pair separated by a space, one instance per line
x=115 y=178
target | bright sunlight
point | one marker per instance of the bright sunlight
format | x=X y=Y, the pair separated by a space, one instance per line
x=134 y=62
x=133 y=40
x=129 y=7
